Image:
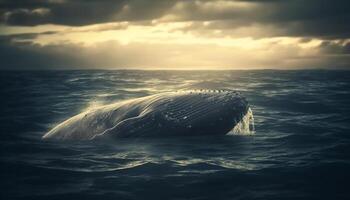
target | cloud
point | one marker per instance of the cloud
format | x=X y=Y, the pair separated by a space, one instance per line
x=79 y=12
x=311 y=18
x=17 y=53
x=68 y=12
x=173 y=33
x=98 y=27
x=340 y=47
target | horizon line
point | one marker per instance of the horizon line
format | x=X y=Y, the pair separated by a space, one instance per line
x=176 y=69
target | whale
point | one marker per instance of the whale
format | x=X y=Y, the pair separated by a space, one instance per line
x=199 y=112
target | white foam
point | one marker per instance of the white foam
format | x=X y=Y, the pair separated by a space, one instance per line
x=245 y=126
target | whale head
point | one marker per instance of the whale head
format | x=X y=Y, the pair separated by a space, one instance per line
x=199 y=112
x=203 y=112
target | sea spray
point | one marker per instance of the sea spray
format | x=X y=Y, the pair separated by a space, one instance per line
x=245 y=126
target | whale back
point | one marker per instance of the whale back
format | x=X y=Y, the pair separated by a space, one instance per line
x=172 y=113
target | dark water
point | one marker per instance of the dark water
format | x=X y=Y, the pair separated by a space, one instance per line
x=301 y=149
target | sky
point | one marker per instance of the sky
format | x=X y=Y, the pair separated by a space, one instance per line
x=174 y=34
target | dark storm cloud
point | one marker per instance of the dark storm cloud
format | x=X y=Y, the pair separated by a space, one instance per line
x=18 y=54
x=335 y=47
x=27 y=12
x=79 y=12
x=314 y=18
x=327 y=20
x=311 y=18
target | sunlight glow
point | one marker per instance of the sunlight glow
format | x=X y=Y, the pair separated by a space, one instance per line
x=169 y=45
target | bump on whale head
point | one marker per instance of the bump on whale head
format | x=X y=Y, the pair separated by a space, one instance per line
x=195 y=112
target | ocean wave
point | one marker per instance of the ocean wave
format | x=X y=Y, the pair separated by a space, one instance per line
x=299 y=149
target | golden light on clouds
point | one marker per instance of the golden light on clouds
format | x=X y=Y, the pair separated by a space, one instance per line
x=178 y=34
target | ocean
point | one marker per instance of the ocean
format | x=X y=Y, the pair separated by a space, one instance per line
x=300 y=149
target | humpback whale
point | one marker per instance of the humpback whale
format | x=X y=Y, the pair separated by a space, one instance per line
x=201 y=112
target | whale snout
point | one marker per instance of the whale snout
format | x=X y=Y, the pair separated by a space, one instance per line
x=223 y=110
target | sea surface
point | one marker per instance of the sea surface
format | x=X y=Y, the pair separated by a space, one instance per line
x=300 y=149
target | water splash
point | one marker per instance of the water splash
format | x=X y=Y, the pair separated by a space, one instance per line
x=245 y=126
